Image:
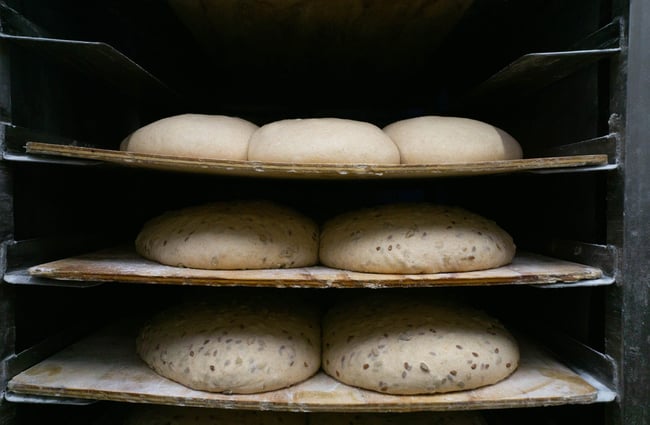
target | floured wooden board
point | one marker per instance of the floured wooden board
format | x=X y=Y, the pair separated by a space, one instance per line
x=312 y=171
x=123 y=264
x=106 y=367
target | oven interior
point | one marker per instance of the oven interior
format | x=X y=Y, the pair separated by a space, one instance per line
x=265 y=61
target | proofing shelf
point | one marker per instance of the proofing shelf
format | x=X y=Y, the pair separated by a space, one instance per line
x=123 y=264
x=105 y=366
x=313 y=171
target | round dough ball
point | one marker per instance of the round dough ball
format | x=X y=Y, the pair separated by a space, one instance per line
x=450 y=140
x=414 y=238
x=419 y=418
x=231 y=235
x=193 y=136
x=174 y=415
x=233 y=346
x=322 y=140
x=401 y=345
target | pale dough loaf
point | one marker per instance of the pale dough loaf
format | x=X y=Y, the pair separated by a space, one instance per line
x=411 y=345
x=419 y=418
x=231 y=235
x=175 y=415
x=193 y=136
x=233 y=346
x=449 y=140
x=322 y=140
x=414 y=238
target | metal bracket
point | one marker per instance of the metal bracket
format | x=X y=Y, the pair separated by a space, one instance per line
x=598 y=369
x=21 y=255
x=22 y=398
x=534 y=71
x=15 y=138
x=100 y=60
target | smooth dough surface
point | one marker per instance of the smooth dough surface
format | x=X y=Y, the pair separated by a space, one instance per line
x=419 y=418
x=193 y=136
x=410 y=345
x=231 y=235
x=175 y=415
x=322 y=140
x=414 y=238
x=448 y=140
x=233 y=346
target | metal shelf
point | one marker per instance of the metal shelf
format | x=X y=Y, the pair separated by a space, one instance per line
x=104 y=366
x=15 y=139
x=98 y=60
x=535 y=71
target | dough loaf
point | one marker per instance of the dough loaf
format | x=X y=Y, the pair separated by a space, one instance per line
x=414 y=238
x=231 y=235
x=410 y=345
x=193 y=136
x=448 y=140
x=322 y=140
x=233 y=346
x=174 y=415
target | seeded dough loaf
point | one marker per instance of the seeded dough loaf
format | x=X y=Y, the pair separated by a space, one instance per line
x=410 y=345
x=414 y=238
x=419 y=418
x=322 y=140
x=174 y=415
x=193 y=136
x=231 y=235
x=233 y=346
x=448 y=140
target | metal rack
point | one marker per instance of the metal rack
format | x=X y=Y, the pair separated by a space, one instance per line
x=615 y=365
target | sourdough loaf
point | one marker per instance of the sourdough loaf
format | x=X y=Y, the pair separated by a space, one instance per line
x=193 y=136
x=322 y=140
x=233 y=345
x=414 y=238
x=414 y=345
x=446 y=140
x=231 y=235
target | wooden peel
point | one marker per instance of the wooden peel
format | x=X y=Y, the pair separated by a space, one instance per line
x=123 y=264
x=311 y=171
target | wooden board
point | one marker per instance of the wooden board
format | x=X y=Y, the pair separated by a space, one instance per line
x=312 y=171
x=123 y=264
x=105 y=367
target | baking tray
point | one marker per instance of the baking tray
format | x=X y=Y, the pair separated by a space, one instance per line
x=312 y=171
x=105 y=366
x=123 y=264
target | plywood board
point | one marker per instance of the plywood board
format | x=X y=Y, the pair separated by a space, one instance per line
x=105 y=367
x=312 y=171
x=123 y=264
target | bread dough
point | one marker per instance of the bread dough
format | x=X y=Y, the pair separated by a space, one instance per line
x=175 y=415
x=322 y=140
x=414 y=238
x=419 y=418
x=411 y=345
x=233 y=346
x=448 y=140
x=231 y=235
x=193 y=136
